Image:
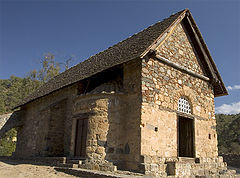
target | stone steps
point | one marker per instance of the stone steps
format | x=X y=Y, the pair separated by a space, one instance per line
x=75 y=161
x=188 y=167
x=186 y=160
x=68 y=165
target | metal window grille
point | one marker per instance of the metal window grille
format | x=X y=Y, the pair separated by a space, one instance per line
x=184 y=106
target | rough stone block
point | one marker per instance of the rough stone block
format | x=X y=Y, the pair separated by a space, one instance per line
x=100 y=150
x=220 y=159
x=146 y=159
x=154 y=167
x=171 y=169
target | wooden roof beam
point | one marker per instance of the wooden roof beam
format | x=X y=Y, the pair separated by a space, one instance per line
x=212 y=71
x=181 y=68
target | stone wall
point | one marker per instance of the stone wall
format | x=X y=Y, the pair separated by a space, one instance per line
x=132 y=123
x=113 y=112
x=132 y=113
x=55 y=135
x=105 y=126
x=162 y=86
x=178 y=48
x=41 y=118
x=113 y=134
x=159 y=132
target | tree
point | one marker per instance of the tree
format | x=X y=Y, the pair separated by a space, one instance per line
x=50 y=68
x=8 y=144
x=228 y=129
x=67 y=62
x=13 y=90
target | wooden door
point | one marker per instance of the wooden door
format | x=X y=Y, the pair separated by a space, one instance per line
x=81 y=137
x=186 y=137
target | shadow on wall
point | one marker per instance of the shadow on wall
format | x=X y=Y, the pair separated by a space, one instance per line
x=122 y=141
x=14 y=121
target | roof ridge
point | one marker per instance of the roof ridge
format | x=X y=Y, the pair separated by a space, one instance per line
x=129 y=37
x=123 y=51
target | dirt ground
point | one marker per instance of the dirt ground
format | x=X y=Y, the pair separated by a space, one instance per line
x=13 y=170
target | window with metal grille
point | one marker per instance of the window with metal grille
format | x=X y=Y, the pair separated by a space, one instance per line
x=184 y=106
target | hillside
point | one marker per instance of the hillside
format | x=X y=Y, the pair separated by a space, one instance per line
x=228 y=129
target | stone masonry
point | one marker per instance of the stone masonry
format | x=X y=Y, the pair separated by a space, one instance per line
x=126 y=113
x=162 y=86
x=50 y=123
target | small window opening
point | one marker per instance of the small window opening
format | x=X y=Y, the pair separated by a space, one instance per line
x=184 y=106
x=209 y=136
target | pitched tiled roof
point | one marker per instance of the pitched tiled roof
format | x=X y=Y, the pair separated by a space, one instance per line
x=123 y=51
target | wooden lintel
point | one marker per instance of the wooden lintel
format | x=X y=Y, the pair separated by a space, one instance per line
x=181 y=68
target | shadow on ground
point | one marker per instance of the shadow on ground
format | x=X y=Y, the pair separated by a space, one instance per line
x=14 y=161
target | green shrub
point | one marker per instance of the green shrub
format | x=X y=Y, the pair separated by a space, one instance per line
x=8 y=143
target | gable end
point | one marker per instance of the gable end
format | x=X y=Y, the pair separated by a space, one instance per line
x=205 y=60
x=202 y=50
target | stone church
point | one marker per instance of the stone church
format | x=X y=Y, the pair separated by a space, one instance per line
x=145 y=104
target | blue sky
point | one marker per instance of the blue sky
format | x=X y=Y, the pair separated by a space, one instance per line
x=29 y=28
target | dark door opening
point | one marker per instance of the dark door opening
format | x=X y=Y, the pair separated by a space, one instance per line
x=185 y=137
x=81 y=137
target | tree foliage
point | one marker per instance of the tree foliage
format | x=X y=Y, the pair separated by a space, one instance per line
x=13 y=90
x=50 y=68
x=8 y=143
x=228 y=129
x=16 y=88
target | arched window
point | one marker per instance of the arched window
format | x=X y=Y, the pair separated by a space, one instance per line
x=184 y=105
